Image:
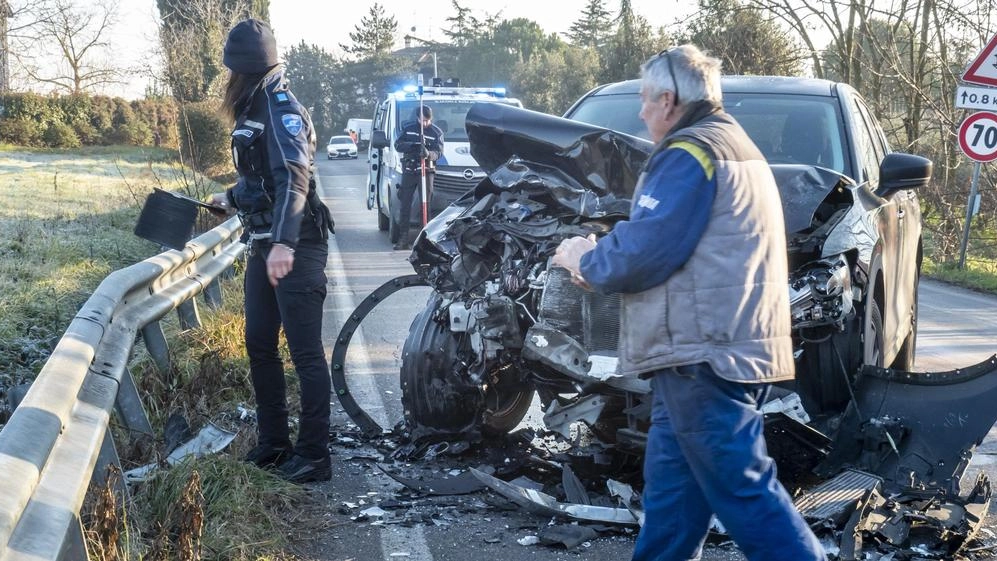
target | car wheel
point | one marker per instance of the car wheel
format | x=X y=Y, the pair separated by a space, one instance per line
x=908 y=350
x=873 y=336
x=506 y=403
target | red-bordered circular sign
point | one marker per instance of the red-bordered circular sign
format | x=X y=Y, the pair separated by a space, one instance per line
x=978 y=136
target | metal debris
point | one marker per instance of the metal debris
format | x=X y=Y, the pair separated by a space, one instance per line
x=461 y=484
x=209 y=440
x=542 y=503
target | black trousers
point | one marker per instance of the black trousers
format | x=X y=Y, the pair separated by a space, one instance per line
x=410 y=191
x=296 y=304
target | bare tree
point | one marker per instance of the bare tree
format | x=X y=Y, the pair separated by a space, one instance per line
x=905 y=57
x=65 y=48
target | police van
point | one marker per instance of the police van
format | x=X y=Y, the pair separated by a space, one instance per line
x=456 y=170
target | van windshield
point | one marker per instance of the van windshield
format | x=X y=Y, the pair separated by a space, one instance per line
x=448 y=114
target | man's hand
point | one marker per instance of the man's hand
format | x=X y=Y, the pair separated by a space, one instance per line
x=220 y=200
x=424 y=153
x=569 y=255
x=279 y=262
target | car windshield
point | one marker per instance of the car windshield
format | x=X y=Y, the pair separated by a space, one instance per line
x=449 y=115
x=788 y=129
x=340 y=140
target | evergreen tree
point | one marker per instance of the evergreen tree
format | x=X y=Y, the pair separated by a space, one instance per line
x=316 y=79
x=464 y=27
x=592 y=29
x=743 y=39
x=374 y=36
x=632 y=43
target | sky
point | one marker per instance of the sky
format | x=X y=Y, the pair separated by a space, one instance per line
x=328 y=23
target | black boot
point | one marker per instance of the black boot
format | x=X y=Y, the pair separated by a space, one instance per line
x=299 y=469
x=402 y=244
x=268 y=455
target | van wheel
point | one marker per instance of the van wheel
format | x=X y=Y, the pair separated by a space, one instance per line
x=382 y=221
x=393 y=230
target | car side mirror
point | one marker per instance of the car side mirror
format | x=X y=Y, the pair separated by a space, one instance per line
x=903 y=171
x=378 y=140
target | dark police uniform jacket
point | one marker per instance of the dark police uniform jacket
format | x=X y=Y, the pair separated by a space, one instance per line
x=273 y=148
x=408 y=145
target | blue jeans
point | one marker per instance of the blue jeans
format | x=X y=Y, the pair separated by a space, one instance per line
x=706 y=454
x=296 y=305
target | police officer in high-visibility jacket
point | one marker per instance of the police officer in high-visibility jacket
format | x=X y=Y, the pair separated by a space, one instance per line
x=287 y=229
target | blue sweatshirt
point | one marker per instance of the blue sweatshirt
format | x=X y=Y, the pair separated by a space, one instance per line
x=671 y=214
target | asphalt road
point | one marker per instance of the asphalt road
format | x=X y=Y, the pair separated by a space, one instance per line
x=957 y=328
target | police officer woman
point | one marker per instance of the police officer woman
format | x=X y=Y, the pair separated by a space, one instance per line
x=286 y=228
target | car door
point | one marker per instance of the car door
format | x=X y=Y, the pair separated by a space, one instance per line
x=375 y=158
x=888 y=218
x=909 y=221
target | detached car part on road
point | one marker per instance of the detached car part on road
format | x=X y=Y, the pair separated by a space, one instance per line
x=502 y=324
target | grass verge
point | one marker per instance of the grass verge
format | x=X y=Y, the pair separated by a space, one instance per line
x=66 y=224
x=978 y=275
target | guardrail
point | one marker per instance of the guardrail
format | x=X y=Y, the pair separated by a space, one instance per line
x=58 y=435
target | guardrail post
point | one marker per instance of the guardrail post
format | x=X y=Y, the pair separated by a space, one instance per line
x=75 y=545
x=213 y=294
x=129 y=406
x=189 y=318
x=107 y=457
x=155 y=343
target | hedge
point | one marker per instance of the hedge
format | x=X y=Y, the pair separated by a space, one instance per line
x=28 y=119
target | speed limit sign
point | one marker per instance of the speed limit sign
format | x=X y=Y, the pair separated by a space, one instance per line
x=978 y=136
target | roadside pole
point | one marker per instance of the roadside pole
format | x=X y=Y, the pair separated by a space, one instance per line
x=978 y=132
x=972 y=206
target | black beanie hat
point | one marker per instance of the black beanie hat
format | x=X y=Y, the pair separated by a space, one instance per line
x=250 y=48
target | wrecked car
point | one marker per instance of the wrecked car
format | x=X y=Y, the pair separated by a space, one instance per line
x=503 y=326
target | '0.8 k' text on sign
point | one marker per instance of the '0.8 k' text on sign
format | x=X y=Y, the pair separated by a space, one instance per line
x=968 y=97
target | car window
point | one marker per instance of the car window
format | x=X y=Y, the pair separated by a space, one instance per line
x=340 y=140
x=449 y=115
x=865 y=144
x=792 y=129
x=878 y=138
x=618 y=112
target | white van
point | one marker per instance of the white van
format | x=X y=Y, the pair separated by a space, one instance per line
x=456 y=170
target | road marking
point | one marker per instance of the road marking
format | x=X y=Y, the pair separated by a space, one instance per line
x=393 y=540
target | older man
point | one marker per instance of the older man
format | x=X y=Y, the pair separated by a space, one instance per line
x=702 y=266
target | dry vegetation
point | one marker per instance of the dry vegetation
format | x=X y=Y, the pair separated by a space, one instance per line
x=66 y=223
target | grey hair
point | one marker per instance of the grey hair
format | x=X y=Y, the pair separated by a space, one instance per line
x=697 y=74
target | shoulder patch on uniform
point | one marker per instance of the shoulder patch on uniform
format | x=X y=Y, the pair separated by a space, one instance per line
x=282 y=97
x=292 y=123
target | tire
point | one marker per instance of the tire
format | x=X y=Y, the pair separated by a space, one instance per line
x=873 y=336
x=382 y=221
x=394 y=232
x=908 y=350
x=505 y=406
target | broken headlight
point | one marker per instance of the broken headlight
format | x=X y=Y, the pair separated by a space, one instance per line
x=820 y=293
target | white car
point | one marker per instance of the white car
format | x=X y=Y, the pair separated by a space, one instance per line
x=341 y=147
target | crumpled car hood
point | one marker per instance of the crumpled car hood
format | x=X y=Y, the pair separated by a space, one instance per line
x=584 y=166
x=581 y=164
